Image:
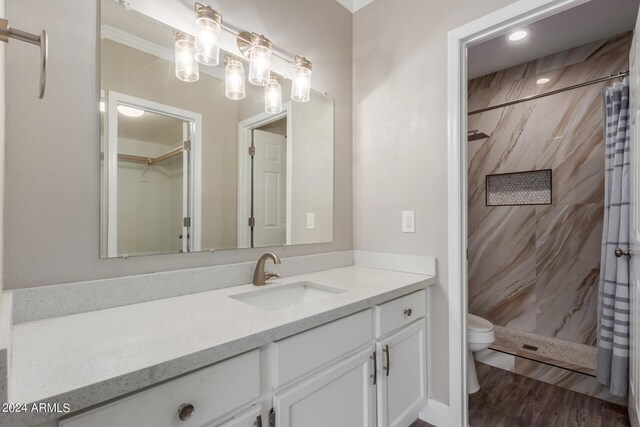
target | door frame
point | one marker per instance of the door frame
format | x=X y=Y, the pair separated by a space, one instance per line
x=112 y=100
x=244 y=170
x=516 y=15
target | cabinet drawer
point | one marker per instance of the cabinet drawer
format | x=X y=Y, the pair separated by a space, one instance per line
x=212 y=391
x=248 y=418
x=399 y=312
x=302 y=353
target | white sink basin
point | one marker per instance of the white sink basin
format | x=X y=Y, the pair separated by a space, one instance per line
x=275 y=298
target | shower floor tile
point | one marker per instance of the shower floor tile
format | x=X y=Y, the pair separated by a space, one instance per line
x=564 y=354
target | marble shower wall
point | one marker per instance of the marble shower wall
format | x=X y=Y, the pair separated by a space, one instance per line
x=536 y=268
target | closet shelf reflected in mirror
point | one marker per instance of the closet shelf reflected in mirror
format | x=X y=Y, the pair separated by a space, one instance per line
x=150 y=160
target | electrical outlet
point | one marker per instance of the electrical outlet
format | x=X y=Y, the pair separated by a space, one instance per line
x=408 y=221
x=311 y=221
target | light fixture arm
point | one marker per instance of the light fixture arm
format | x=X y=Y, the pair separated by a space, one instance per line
x=244 y=39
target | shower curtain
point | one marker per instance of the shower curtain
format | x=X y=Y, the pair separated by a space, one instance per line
x=613 y=298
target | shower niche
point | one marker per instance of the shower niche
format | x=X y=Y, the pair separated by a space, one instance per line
x=519 y=188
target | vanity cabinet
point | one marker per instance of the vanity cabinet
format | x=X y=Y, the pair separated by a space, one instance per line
x=368 y=369
x=301 y=354
x=402 y=382
x=390 y=369
x=343 y=395
x=212 y=392
x=250 y=418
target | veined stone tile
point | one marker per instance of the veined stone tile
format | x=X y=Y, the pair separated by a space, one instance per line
x=567 y=271
x=620 y=44
x=563 y=132
x=509 y=149
x=493 y=95
x=599 y=66
x=502 y=265
x=500 y=78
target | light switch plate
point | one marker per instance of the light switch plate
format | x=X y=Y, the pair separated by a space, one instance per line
x=408 y=221
x=311 y=221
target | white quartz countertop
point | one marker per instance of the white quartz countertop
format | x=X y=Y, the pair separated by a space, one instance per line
x=88 y=358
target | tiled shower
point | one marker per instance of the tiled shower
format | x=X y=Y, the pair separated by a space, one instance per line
x=534 y=237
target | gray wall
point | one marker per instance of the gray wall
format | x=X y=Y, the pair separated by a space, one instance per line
x=400 y=137
x=52 y=194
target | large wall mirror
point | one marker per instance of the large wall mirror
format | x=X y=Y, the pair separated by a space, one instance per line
x=186 y=169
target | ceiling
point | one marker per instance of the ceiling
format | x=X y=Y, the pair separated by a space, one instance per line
x=589 y=22
x=151 y=127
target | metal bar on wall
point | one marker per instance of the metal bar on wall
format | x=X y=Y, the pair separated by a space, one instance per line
x=551 y=92
x=7 y=32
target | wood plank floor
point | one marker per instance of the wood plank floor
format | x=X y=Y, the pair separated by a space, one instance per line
x=507 y=399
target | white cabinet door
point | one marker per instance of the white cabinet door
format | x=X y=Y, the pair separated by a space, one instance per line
x=340 y=396
x=402 y=380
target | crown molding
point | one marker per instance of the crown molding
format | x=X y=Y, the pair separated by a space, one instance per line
x=135 y=42
x=354 y=5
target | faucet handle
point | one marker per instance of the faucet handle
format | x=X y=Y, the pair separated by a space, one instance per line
x=268 y=275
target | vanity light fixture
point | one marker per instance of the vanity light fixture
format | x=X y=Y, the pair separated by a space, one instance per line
x=259 y=60
x=543 y=81
x=207 y=39
x=234 y=78
x=130 y=111
x=518 y=35
x=301 y=84
x=204 y=48
x=186 y=65
x=273 y=95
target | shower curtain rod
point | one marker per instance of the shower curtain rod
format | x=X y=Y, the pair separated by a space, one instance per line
x=551 y=92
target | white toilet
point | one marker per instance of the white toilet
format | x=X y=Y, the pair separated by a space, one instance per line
x=480 y=336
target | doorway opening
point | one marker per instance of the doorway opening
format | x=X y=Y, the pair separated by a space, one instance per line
x=484 y=143
x=264 y=181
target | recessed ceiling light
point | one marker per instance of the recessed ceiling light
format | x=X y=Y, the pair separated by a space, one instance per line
x=130 y=111
x=518 y=35
x=543 y=81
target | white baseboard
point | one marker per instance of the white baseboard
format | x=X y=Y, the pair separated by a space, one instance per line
x=436 y=413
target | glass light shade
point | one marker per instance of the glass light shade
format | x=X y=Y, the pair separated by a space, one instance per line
x=260 y=61
x=186 y=65
x=273 y=96
x=234 y=78
x=130 y=111
x=207 y=39
x=301 y=83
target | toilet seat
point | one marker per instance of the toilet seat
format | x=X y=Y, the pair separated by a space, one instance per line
x=479 y=330
x=478 y=324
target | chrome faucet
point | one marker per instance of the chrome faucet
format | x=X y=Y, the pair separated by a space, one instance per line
x=260 y=277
